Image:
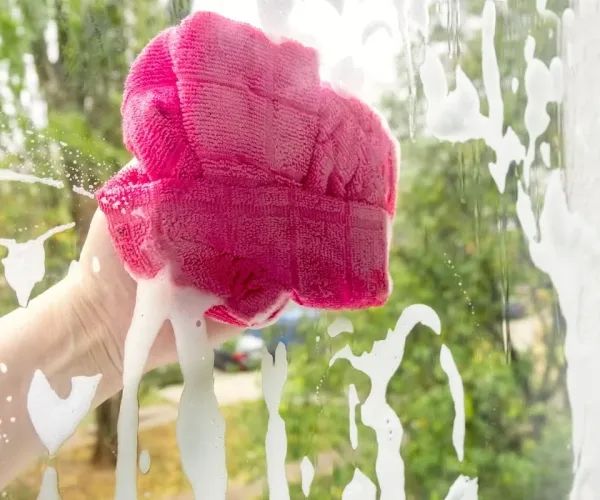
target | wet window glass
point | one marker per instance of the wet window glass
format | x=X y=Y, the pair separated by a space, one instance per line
x=326 y=249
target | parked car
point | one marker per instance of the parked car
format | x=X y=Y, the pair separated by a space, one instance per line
x=243 y=353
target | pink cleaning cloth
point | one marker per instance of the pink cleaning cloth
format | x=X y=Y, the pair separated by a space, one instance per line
x=255 y=181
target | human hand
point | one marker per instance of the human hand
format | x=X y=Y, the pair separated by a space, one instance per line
x=110 y=294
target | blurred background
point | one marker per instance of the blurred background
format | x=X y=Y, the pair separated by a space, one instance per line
x=457 y=247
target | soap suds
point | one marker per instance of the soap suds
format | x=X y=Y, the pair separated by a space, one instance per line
x=144 y=461
x=200 y=425
x=3 y=368
x=380 y=364
x=307 y=471
x=274 y=375
x=338 y=326
x=49 y=487
x=490 y=71
x=9 y=175
x=152 y=308
x=541 y=88
x=456 y=116
x=80 y=190
x=24 y=265
x=458 y=397
x=568 y=250
x=464 y=488
x=353 y=401
x=557 y=71
x=545 y=153
x=55 y=419
x=359 y=488
x=453 y=116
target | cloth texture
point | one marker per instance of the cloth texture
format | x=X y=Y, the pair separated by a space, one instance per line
x=253 y=180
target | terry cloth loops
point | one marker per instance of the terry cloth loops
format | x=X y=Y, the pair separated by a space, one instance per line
x=253 y=180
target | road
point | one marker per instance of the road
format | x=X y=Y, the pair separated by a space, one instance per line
x=230 y=388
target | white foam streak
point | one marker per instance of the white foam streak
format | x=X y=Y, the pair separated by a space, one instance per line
x=339 y=326
x=458 y=397
x=453 y=116
x=55 y=419
x=464 y=488
x=144 y=461
x=542 y=87
x=200 y=425
x=307 y=471
x=83 y=192
x=380 y=364
x=456 y=116
x=49 y=487
x=10 y=175
x=568 y=250
x=24 y=266
x=152 y=308
x=274 y=375
x=490 y=71
x=359 y=488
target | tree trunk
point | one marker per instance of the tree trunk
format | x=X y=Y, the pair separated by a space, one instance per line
x=105 y=450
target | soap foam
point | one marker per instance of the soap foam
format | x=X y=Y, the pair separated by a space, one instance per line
x=380 y=364
x=55 y=419
x=24 y=266
x=307 y=471
x=200 y=425
x=359 y=488
x=152 y=308
x=458 y=398
x=274 y=375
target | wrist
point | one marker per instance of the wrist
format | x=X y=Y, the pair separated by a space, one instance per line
x=92 y=335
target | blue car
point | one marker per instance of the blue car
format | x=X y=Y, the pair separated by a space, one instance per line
x=245 y=352
x=287 y=327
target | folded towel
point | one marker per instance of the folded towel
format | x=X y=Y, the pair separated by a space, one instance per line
x=254 y=181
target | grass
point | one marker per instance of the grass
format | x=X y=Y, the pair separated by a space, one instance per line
x=246 y=425
x=80 y=480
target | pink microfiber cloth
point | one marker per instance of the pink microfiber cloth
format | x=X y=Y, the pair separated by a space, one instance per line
x=255 y=181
